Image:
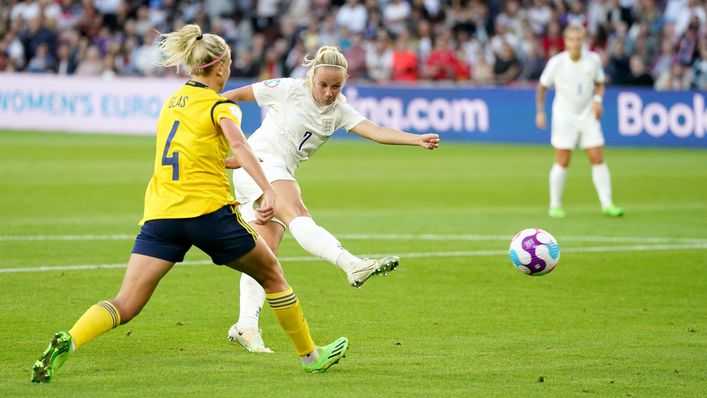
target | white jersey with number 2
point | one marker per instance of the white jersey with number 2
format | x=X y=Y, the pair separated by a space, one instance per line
x=295 y=125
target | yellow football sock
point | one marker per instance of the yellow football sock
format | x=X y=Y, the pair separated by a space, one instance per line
x=97 y=320
x=288 y=312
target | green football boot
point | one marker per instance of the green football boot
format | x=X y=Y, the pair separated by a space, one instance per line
x=52 y=358
x=557 y=212
x=329 y=355
x=612 y=211
x=368 y=268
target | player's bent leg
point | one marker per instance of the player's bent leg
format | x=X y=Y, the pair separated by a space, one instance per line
x=262 y=265
x=252 y=297
x=141 y=278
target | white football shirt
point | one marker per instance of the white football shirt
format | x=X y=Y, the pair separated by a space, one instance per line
x=296 y=126
x=573 y=81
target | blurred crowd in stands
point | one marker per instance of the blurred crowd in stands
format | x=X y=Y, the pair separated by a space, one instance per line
x=652 y=43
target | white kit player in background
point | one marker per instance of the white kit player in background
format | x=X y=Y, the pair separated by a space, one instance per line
x=578 y=78
x=302 y=115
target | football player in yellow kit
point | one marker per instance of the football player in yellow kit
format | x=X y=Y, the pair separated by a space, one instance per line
x=189 y=202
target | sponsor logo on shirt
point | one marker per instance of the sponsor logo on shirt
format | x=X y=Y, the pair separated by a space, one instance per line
x=271 y=83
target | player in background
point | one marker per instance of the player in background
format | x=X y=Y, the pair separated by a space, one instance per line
x=302 y=115
x=189 y=202
x=578 y=79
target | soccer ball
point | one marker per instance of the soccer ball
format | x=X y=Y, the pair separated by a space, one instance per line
x=534 y=252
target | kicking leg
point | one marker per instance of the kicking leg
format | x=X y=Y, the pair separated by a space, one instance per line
x=318 y=241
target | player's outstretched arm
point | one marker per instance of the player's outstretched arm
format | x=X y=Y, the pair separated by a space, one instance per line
x=240 y=94
x=245 y=157
x=390 y=136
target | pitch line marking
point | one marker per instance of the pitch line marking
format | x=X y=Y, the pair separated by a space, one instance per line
x=462 y=253
x=431 y=237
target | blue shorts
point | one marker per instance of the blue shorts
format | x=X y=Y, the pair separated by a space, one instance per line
x=221 y=234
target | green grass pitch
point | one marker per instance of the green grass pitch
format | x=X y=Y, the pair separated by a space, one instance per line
x=624 y=313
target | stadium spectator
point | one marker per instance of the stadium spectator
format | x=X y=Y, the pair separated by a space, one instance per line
x=395 y=15
x=442 y=63
x=424 y=40
x=638 y=75
x=507 y=67
x=356 y=55
x=66 y=61
x=618 y=68
x=552 y=42
x=699 y=67
x=405 y=62
x=352 y=15
x=379 y=59
x=693 y=15
x=678 y=77
x=245 y=66
x=539 y=16
x=645 y=28
x=664 y=60
x=482 y=70
x=92 y=64
x=42 y=61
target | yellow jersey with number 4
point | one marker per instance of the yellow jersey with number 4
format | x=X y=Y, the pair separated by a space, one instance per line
x=190 y=177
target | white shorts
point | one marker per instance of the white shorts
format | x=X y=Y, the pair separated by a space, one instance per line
x=248 y=192
x=568 y=133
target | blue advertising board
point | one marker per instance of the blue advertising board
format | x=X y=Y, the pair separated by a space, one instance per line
x=632 y=117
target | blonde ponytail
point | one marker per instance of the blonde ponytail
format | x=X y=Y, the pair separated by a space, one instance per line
x=189 y=47
x=328 y=56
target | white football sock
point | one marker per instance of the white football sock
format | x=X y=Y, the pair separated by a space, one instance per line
x=319 y=242
x=558 y=176
x=252 y=299
x=602 y=183
x=310 y=358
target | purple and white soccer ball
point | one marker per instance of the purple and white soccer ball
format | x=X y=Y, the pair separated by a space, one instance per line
x=534 y=251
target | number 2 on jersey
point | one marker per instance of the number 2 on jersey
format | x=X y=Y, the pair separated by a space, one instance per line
x=307 y=135
x=174 y=159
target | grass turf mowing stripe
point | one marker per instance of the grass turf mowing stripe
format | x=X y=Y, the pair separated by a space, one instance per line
x=462 y=253
x=452 y=237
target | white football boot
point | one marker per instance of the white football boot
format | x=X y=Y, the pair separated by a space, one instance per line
x=368 y=268
x=250 y=339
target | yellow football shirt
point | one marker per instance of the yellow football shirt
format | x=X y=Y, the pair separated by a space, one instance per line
x=190 y=177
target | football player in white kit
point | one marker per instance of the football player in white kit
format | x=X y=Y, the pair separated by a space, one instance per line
x=302 y=115
x=578 y=79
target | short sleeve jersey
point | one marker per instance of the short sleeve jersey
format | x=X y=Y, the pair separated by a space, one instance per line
x=295 y=125
x=573 y=81
x=189 y=176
